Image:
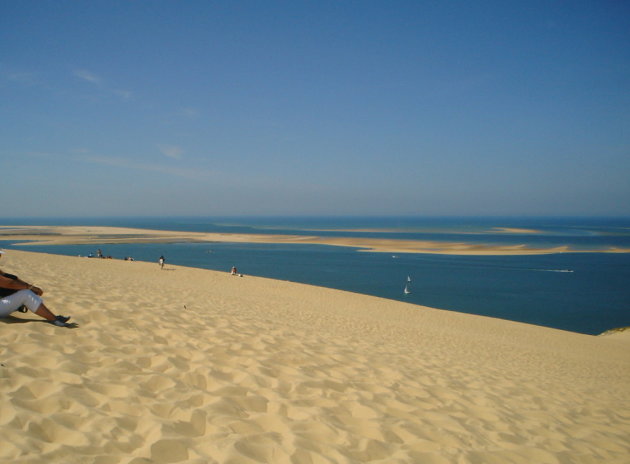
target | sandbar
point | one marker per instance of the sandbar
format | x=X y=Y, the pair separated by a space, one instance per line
x=53 y=235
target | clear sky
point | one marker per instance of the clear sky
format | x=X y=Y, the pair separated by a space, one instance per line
x=314 y=107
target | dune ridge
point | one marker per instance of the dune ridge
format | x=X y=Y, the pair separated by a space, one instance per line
x=190 y=366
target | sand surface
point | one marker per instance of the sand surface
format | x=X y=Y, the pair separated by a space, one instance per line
x=194 y=366
x=52 y=235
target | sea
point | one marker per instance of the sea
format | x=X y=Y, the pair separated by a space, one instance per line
x=580 y=292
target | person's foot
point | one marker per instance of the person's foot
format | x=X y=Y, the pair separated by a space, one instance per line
x=60 y=321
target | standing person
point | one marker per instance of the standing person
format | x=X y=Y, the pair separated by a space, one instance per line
x=15 y=293
x=161 y=261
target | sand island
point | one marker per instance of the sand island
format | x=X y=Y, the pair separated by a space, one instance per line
x=54 y=235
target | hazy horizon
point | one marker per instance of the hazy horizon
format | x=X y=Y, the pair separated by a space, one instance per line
x=7 y=219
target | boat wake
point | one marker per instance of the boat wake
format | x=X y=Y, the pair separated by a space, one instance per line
x=553 y=270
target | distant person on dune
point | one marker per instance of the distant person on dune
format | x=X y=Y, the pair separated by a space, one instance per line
x=161 y=261
x=15 y=293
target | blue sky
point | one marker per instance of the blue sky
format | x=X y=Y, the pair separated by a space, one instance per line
x=314 y=108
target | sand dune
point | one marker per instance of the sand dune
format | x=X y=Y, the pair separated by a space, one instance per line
x=261 y=371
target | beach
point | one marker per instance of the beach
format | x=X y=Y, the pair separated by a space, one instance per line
x=186 y=365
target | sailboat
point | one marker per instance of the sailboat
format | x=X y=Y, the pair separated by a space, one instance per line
x=407 y=291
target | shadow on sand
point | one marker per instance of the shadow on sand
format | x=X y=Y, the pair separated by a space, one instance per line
x=19 y=320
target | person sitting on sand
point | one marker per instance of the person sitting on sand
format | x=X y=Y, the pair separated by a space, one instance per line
x=15 y=293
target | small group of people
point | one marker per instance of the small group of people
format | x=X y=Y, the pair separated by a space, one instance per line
x=99 y=254
x=16 y=294
x=234 y=272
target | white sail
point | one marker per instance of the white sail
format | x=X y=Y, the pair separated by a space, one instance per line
x=406 y=291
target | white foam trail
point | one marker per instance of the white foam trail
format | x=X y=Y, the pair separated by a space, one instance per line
x=552 y=270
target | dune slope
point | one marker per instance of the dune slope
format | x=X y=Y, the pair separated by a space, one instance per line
x=193 y=366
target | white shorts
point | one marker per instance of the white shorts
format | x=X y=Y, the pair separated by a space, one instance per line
x=11 y=303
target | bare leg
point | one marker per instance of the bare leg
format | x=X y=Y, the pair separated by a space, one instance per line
x=44 y=312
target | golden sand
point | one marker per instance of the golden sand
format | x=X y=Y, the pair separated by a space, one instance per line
x=194 y=366
x=54 y=235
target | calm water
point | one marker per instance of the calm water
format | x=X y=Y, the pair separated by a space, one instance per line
x=582 y=292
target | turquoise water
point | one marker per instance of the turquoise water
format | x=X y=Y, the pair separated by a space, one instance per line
x=581 y=292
